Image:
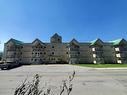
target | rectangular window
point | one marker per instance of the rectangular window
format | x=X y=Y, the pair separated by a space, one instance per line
x=118 y=55
x=117 y=49
x=94 y=61
x=52 y=53
x=93 y=49
x=119 y=61
x=52 y=46
x=94 y=55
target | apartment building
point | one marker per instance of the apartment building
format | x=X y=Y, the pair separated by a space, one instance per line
x=73 y=52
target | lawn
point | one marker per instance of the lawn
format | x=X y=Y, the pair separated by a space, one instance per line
x=103 y=65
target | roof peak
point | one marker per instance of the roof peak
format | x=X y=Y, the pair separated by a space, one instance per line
x=94 y=41
x=117 y=42
x=55 y=35
x=17 y=42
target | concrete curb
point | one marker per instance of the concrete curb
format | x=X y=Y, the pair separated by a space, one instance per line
x=111 y=68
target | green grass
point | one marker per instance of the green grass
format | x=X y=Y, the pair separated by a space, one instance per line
x=103 y=65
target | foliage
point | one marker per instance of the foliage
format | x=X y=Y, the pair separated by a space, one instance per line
x=32 y=88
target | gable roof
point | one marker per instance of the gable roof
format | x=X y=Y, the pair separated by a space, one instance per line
x=55 y=35
x=37 y=41
x=95 y=41
x=118 y=41
x=74 y=41
x=16 y=42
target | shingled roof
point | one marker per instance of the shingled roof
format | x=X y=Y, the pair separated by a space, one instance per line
x=55 y=35
x=118 y=41
x=16 y=42
x=95 y=41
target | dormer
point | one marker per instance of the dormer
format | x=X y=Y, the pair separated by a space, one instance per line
x=56 y=38
x=74 y=42
x=119 y=42
x=98 y=42
x=37 y=43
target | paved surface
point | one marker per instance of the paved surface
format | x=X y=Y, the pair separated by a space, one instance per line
x=87 y=81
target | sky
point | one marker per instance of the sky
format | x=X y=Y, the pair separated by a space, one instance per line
x=84 y=20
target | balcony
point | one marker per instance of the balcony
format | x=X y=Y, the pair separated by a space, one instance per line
x=73 y=56
x=97 y=49
x=121 y=48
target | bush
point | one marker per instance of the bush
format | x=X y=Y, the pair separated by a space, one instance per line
x=32 y=88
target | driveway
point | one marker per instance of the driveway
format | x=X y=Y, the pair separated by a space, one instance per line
x=88 y=81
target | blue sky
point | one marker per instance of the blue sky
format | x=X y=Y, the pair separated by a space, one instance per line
x=84 y=20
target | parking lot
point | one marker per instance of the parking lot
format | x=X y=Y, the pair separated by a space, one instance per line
x=88 y=81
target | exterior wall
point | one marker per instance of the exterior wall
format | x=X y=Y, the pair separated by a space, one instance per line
x=58 y=52
x=109 y=54
x=85 y=55
x=121 y=54
x=26 y=54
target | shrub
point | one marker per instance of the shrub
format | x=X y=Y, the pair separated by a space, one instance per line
x=32 y=88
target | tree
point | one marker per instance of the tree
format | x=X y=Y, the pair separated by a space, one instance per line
x=1 y=54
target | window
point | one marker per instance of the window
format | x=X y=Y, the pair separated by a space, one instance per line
x=118 y=55
x=40 y=52
x=93 y=49
x=58 y=39
x=52 y=46
x=119 y=61
x=44 y=52
x=94 y=55
x=78 y=52
x=94 y=61
x=117 y=49
x=53 y=53
x=66 y=52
